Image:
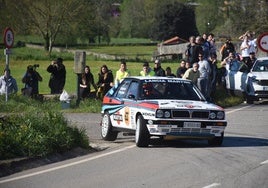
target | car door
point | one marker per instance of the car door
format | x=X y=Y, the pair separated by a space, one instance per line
x=127 y=94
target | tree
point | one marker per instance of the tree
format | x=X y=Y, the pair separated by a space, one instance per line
x=174 y=19
x=47 y=17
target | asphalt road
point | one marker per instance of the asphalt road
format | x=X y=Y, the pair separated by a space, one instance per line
x=242 y=161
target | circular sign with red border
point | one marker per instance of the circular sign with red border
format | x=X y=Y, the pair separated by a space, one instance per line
x=8 y=37
x=263 y=42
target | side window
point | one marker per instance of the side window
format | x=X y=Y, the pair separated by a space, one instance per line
x=133 y=89
x=121 y=92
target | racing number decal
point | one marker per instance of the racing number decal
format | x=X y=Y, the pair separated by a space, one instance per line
x=127 y=116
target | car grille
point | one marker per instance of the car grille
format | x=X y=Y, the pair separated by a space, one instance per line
x=190 y=114
x=190 y=130
x=263 y=82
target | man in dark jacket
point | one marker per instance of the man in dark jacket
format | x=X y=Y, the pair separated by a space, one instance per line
x=57 y=77
x=159 y=71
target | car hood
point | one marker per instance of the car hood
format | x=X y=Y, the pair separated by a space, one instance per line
x=184 y=104
x=259 y=75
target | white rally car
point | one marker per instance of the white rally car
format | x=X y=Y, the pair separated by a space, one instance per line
x=161 y=106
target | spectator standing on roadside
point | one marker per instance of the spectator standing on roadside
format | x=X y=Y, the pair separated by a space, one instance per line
x=213 y=74
x=205 y=46
x=159 y=71
x=146 y=70
x=232 y=64
x=169 y=72
x=8 y=84
x=57 y=77
x=245 y=46
x=226 y=48
x=181 y=69
x=105 y=81
x=251 y=61
x=31 y=79
x=203 y=82
x=123 y=72
x=192 y=73
x=87 y=79
x=193 y=50
x=212 y=45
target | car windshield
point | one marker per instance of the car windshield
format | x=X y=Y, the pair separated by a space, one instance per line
x=261 y=66
x=170 y=89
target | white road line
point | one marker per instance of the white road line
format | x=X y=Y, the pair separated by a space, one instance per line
x=212 y=185
x=229 y=112
x=67 y=165
x=264 y=162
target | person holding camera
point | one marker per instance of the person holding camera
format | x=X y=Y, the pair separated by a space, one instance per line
x=31 y=79
x=57 y=77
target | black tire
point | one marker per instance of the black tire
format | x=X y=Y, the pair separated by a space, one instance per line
x=107 y=132
x=216 y=141
x=142 y=136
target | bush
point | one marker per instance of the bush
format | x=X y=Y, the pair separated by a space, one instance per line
x=38 y=129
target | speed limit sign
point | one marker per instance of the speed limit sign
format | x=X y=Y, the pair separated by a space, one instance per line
x=263 y=42
x=8 y=37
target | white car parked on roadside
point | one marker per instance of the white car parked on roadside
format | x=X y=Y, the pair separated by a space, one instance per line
x=254 y=84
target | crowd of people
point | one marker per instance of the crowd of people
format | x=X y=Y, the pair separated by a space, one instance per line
x=199 y=65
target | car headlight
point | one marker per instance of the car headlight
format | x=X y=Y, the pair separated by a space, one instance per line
x=167 y=114
x=216 y=115
x=220 y=115
x=212 y=115
x=163 y=113
x=159 y=113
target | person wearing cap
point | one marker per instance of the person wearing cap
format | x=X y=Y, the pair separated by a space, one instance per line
x=8 y=84
x=159 y=71
x=57 y=77
x=146 y=71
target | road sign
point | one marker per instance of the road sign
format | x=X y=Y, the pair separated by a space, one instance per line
x=263 y=42
x=8 y=37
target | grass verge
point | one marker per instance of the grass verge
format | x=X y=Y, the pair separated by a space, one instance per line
x=30 y=128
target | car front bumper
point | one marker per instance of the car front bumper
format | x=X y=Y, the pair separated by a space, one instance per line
x=187 y=128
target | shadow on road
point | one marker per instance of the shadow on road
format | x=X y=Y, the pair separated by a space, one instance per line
x=229 y=141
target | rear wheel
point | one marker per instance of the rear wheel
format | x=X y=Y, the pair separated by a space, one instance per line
x=107 y=132
x=216 y=141
x=142 y=136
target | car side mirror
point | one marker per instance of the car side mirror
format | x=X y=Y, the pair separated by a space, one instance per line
x=131 y=96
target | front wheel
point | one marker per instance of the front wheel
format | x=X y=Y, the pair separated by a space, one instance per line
x=216 y=141
x=107 y=132
x=142 y=136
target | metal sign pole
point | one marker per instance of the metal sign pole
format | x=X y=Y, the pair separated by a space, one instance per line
x=8 y=40
x=7 y=67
